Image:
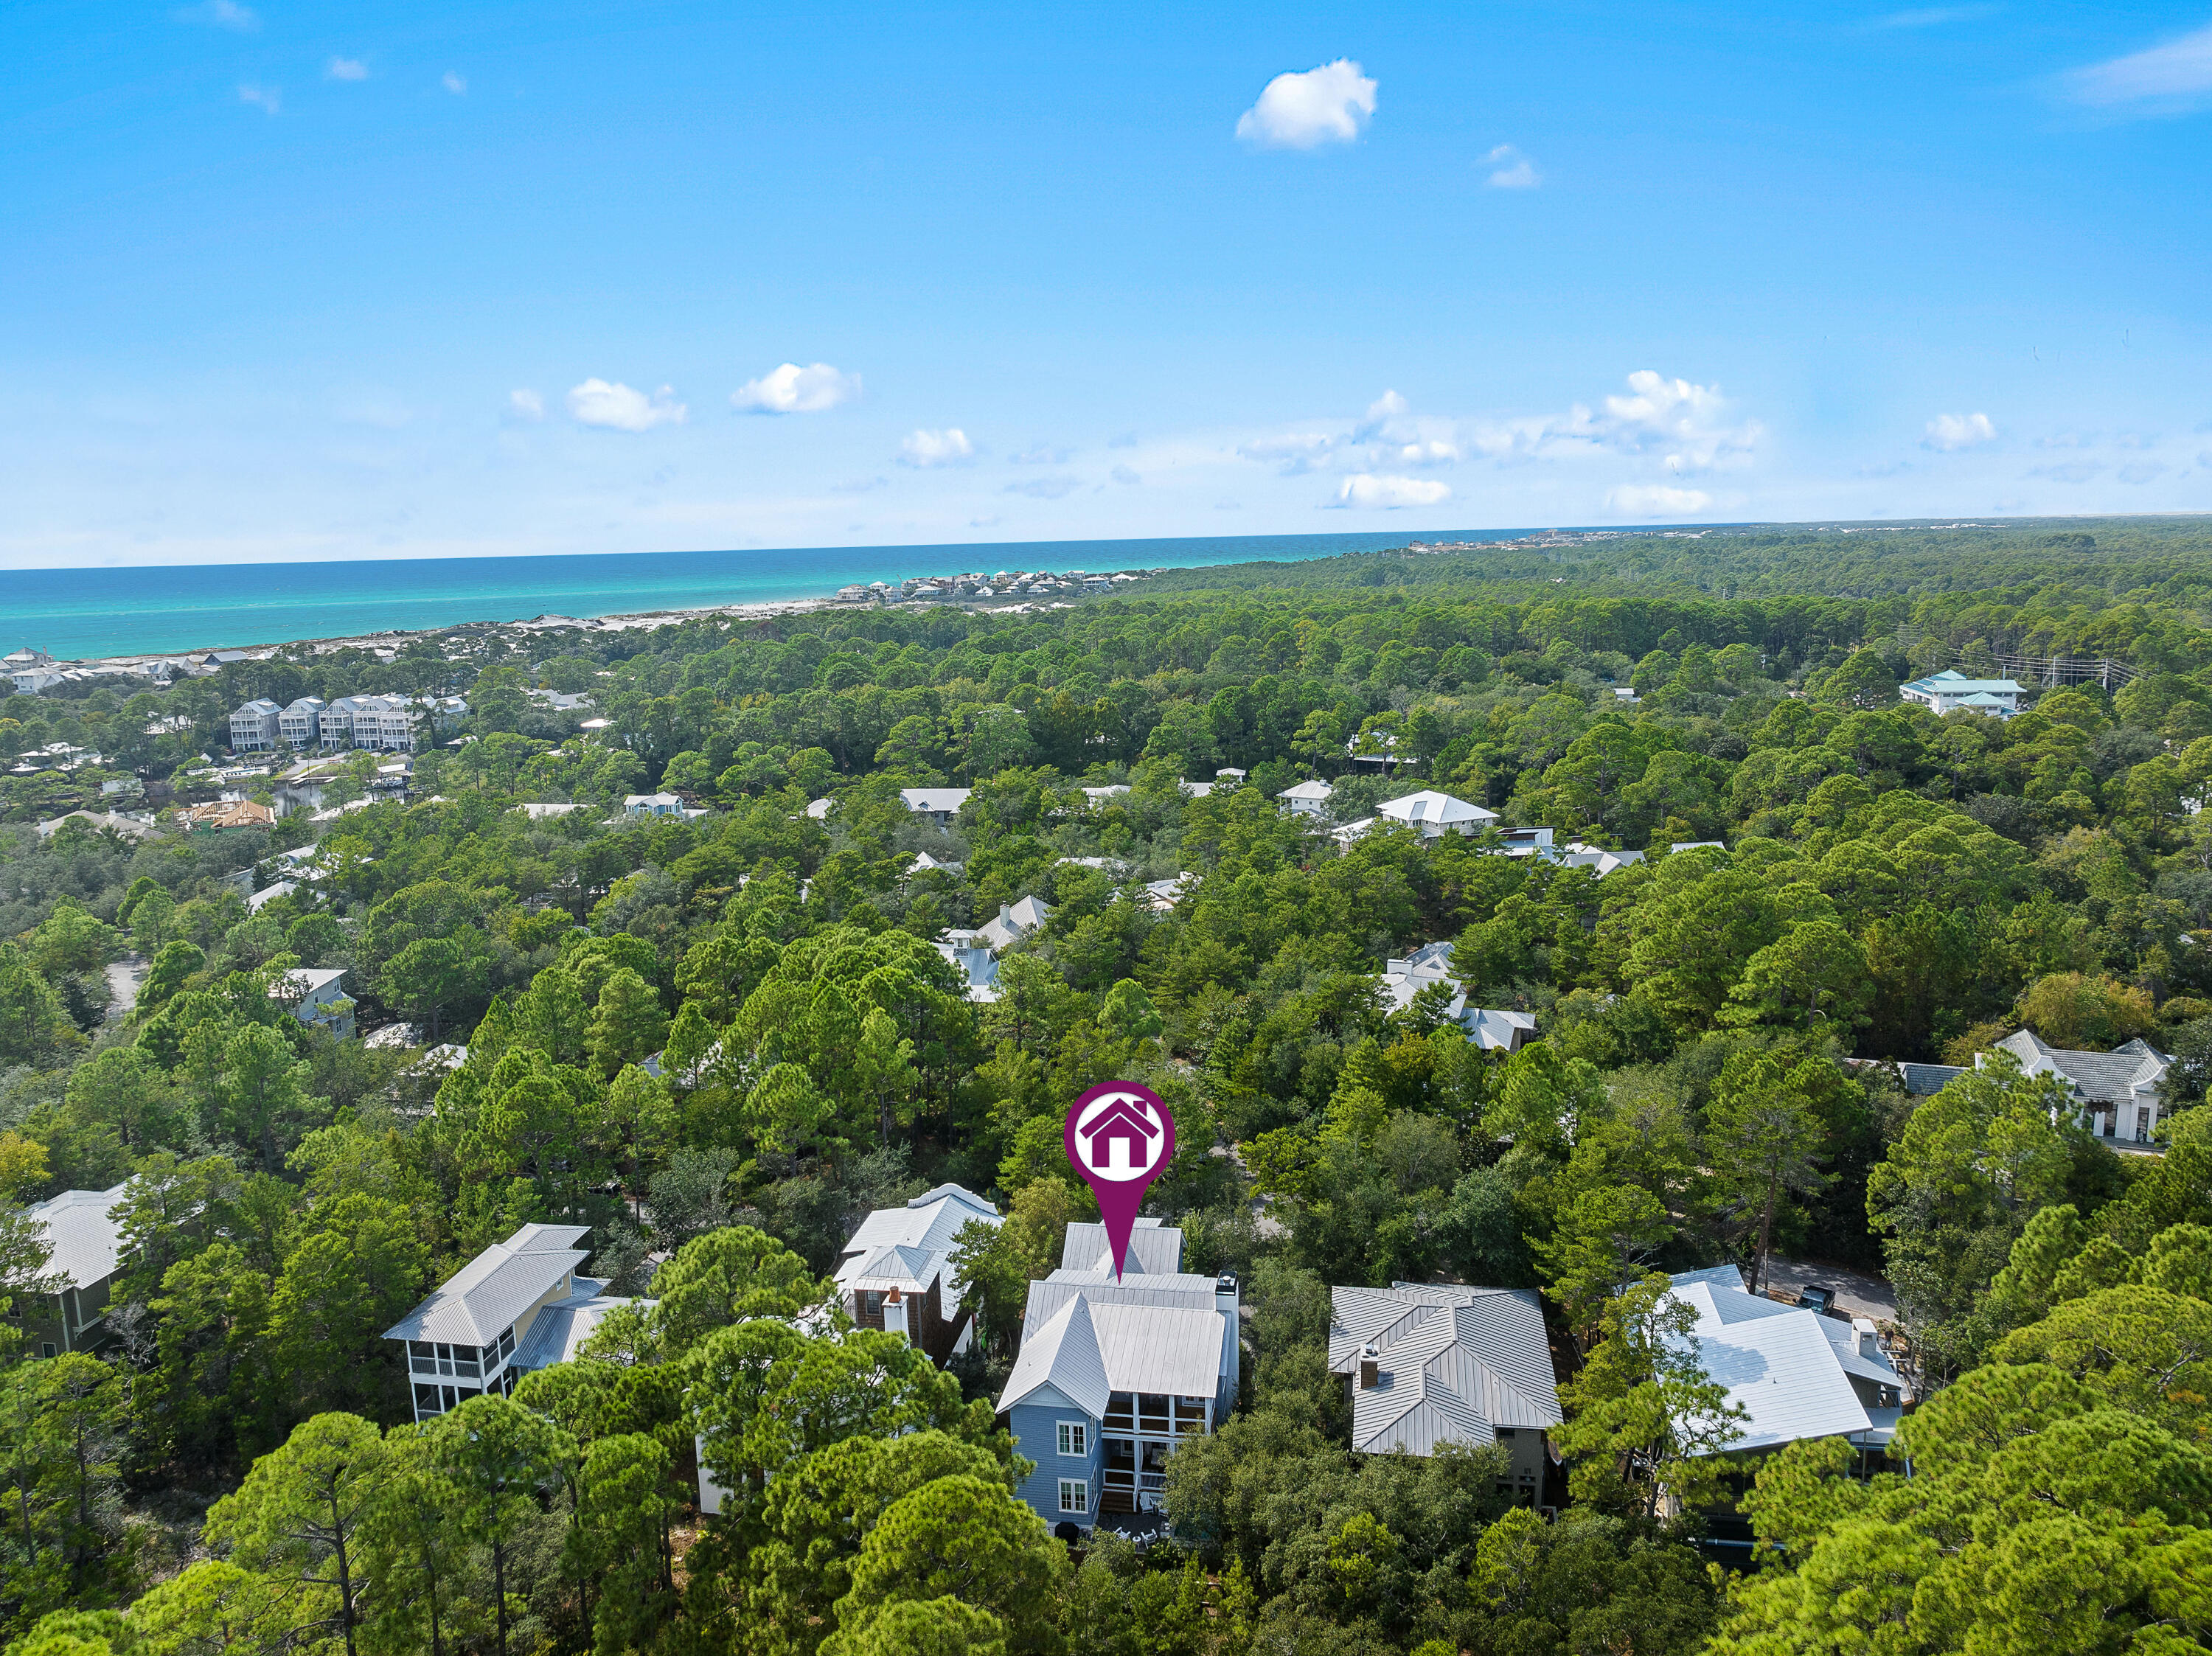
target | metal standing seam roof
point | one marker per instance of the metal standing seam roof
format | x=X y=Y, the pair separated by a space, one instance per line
x=561 y=1327
x=1454 y=1364
x=1429 y=806
x=83 y=1242
x=1164 y=1291
x=1063 y=1355
x=934 y=800
x=909 y=1247
x=484 y=1297
x=1777 y=1365
x=2104 y=1077
x=1154 y=1249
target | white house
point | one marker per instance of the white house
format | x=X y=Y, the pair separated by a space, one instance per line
x=1434 y=815
x=641 y=805
x=386 y=722
x=301 y=725
x=2118 y=1091
x=253 y=727
x=898 y=1274
x=1597 y=859
x=1948 y=691
x=461 y=1340
x=1795 y=1373
x=940 y=805
x=317 y=997
x=1430 y=1364
x=976 y=953
x=1431 y=964
x=1308 y=799
x=84 y=1246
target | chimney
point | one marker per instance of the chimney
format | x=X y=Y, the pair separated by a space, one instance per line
x=1370 y=1367
x=1863 y=1332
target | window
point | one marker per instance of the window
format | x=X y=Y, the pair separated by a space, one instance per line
x=1074 y=1439
x=506 y=1344
x=1074 y=1494
x=45 y=1348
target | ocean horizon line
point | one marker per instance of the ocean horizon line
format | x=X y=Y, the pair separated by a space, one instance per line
x=99 y=612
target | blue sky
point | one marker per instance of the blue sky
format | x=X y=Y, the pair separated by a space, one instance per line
x=304 y=281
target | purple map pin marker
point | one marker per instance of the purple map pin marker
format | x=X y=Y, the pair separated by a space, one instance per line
x=1120 y=1138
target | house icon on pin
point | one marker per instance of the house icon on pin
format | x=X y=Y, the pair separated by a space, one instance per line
x=1123 y=1122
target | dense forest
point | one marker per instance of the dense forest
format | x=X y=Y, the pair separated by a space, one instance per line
x=721 y=1038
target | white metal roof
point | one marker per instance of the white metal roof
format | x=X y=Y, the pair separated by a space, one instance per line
x=1775 y=1361
x=909 y=1247
x=933 y=801
x=1062 y=1356
x=82 y=1240
x=1429 y=806
x=485 y=1296
x=1314 y=790
x=1150 y=1348
x=1454 y=1364
x=1154 y=1248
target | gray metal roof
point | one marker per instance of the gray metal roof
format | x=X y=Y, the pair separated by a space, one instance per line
x=2105 y=1078
x=1149 y=1348
x=1453 y=1364
x=1154 y=1248
x=561 y=1327
x=1060 y=1355
x=1926 y=1080
x=485 y=1296
x=82 y=1240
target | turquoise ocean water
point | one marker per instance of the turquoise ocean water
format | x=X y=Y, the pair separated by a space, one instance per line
x=78 y=613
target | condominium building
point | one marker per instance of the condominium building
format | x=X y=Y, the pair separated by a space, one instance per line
x=301 y=724
x=253 y=728
x=390 y=723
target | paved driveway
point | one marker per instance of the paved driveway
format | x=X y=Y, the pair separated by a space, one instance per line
x=1856 y=1292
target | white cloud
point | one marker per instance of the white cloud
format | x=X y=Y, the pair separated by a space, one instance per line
x=1124 y=474
x=1327 y=105
x=347 y=69
x=2079 y=471
x=619 y=407
x=2175 y=73
x=1658 y=501
x=453 y=83
x=793 y=390
x=1515 y=170
x=1429 y=453
x=1042 y=454
x=1364 y=488
x=267 y=98
x=222 y=13
x=949 y=447
x=1950 y=432
x=525 y=405
x=1294 y=453
x=2141 y=471
x=1381 y=412
x=1045 y=489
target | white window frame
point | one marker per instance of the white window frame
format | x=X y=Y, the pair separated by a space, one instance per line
x=1072 y=1438
x=1081 y=1488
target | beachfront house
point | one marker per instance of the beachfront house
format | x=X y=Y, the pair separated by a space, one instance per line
x=1113 y=1375
x=897 y=1273
x=462 y=1341
x=1428 y=1364
x=1948 y=692
x=253 y=727
x=83 y=1236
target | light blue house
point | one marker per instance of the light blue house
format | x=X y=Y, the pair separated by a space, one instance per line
x=1112 y=1376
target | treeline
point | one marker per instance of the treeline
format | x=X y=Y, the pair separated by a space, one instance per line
x=721 y=1039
